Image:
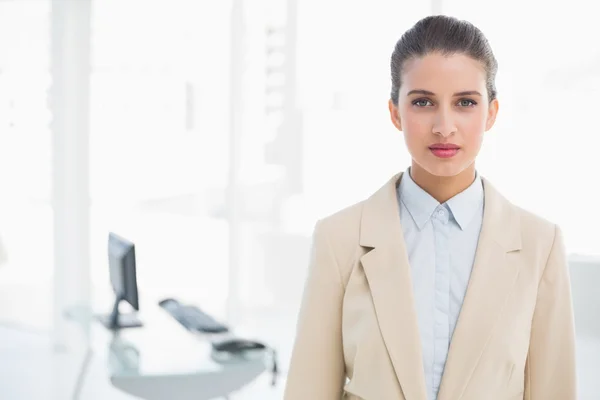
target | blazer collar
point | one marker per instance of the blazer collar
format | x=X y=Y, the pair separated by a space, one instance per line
x=381 y=216
x=388 y=273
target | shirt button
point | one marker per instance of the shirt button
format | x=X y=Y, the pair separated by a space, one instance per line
x=441 y=213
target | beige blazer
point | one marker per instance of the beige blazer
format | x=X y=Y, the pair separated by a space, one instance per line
x=357 y=334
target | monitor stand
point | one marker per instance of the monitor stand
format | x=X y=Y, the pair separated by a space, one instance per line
x=115 y=320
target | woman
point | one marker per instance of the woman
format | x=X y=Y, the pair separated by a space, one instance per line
x=437 y=287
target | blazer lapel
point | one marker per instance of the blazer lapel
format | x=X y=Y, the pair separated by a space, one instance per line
x=491 y=281
x=387 y=270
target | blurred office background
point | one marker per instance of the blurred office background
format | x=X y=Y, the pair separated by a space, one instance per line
x=213 y=134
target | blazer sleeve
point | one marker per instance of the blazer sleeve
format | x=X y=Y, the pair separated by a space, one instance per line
x=317 y=369
x=550 y=369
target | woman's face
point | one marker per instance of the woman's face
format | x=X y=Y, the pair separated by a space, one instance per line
x=443 y=109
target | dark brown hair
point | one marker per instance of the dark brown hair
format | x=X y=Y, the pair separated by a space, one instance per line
x=448 y=36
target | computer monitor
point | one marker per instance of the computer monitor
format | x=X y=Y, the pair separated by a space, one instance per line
x=122 y=269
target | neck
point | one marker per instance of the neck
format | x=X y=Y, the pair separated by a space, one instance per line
x=442 y=188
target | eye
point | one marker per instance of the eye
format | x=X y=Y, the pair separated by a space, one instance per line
x=467 y=103
x=422 y=103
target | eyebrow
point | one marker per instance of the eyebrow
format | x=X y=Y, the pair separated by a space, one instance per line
x=428 y=93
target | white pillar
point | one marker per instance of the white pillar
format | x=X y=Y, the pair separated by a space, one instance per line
x=69 y=103
x=234 y=201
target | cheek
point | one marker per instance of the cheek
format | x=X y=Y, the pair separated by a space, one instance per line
x=416 y=127
x=471 y=128
x=472 y=120
x=417 y=138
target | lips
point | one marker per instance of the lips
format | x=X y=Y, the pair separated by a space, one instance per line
x=444 y=146
x=444 y=150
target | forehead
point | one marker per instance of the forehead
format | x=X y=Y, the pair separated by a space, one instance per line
x=440 y=73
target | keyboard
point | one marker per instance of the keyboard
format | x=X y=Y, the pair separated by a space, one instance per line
x=192 y=317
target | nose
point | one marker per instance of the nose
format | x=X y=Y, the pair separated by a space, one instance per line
x=444 y=124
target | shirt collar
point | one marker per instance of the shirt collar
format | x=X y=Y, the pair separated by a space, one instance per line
x=468 y=203
x=421 y=204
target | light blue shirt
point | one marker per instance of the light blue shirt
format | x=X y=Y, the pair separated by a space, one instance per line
x=441 y=240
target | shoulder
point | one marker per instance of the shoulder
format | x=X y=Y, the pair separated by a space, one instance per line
x=346 y=223
x=532 y=224
x=342 y=228
x=340 y=233
x=540 y=236
x=536 y=226
x=517 y=228
x=537 y=233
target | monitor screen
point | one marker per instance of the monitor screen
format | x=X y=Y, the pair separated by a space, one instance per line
x=122 y=269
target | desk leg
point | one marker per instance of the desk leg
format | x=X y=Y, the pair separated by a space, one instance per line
x=82 y=374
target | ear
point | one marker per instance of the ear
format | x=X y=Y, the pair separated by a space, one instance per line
x=395 y=115
x=492 y=113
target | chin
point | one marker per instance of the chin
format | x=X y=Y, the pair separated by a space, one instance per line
x=444 y=168
x=444 y=172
